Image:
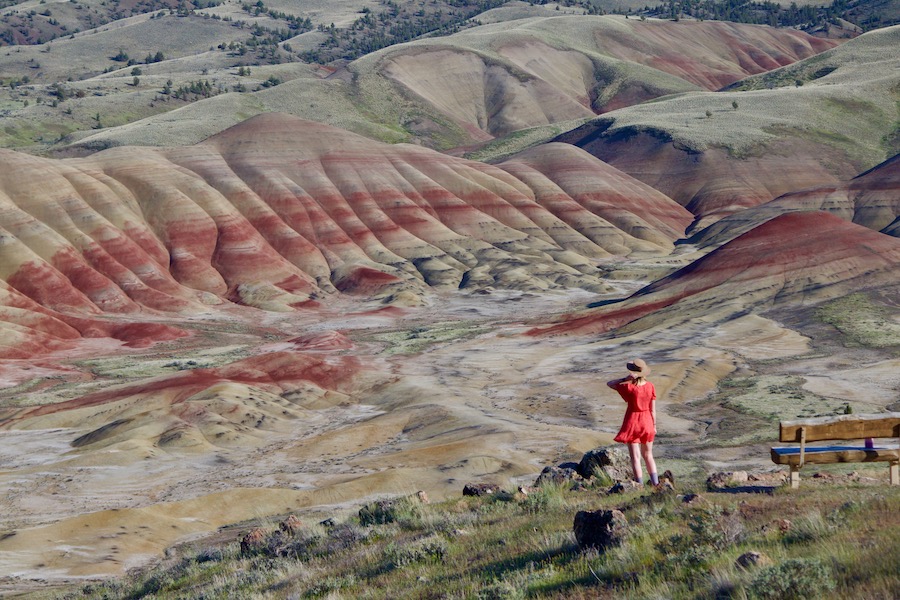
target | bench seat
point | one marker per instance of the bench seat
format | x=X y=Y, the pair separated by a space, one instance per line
x=849 y=428
x=834 y=454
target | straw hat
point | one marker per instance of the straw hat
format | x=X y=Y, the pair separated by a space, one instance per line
x=638 y=367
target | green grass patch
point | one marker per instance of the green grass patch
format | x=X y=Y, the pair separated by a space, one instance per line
x=420 y=338
x=861 y=322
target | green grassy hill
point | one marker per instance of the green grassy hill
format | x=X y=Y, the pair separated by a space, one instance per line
x=836 y=537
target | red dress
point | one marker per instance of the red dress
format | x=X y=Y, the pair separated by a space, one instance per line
x=638 y=425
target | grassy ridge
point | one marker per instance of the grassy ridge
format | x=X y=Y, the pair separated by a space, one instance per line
x=823 y=541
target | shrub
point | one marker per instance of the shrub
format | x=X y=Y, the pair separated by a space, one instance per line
x=715 y=527
x=793 y=579
x=545 y=498
x=808 y=529
x=431 y=548
x=402 y=511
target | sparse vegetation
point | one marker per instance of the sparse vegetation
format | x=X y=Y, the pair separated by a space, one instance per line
x=862 y=322
x=867 y=14
x=500 y=547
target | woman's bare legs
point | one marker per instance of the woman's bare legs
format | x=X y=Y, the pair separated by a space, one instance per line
x=635 y=450
x=647 y=453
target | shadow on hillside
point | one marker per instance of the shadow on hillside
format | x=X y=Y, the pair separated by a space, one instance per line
x=746 y=489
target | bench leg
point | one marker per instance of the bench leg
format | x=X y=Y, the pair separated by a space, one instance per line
x=895 y=473
x=795 y=477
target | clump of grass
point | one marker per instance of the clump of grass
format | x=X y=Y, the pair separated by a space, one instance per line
x=545 y=498
x=431 y=548
x=793 y=579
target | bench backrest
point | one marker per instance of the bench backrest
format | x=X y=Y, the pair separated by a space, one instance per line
x=843 y=427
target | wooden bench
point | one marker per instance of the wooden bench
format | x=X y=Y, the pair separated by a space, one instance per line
x=844 y=427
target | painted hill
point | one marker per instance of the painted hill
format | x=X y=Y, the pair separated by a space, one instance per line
x=200 y=409
x=278 y=212
x=444 y=92
x=812 y=124
x=793 y=259
x=871 y=199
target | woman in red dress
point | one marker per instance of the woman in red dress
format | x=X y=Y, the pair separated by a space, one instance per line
x=639 y=425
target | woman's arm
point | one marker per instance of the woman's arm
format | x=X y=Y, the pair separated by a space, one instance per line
x=616 y=382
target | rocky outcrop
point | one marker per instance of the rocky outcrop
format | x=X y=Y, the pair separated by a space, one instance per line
x=480 y=489
x=556 y=476
x=609 y=461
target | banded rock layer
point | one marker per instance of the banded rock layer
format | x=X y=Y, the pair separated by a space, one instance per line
x=812 y=124
x=871 y=199
x=795 y=258
x=277 y=212
x=200 y=409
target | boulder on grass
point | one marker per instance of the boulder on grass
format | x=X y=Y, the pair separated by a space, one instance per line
x=612 y=461
x=253 y=541
x=557 y=476
x=291 y=525
x=620 y=487
x=600 y=529
x=480 y=489
x=727 y=479
x=751 y=559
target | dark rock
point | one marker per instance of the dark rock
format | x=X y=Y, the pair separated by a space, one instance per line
x=253 y=541
x=612 y=461
x=599 y=529
x=290 y=525
x=692 y=499
x=751 y=559
x=664 y=487
x=556 y=476
x=718 y=481
x=621 y=487
x=328 y=523
x=480 y=489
